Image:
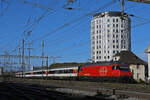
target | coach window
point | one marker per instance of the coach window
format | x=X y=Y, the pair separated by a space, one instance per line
x=65 y=71
x=70 y=71
x=61 y=71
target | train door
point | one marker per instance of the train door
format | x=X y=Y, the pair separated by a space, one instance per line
x=115 y=71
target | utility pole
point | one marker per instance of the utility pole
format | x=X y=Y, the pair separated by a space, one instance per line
x=6 y=61
x=42 y=57
x=19 y=55
x=23 y=64
x=47 y=66
x=29 y=52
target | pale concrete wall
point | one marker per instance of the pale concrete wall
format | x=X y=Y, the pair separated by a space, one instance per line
x=138 y=72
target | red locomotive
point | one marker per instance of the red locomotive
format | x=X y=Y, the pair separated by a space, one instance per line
x=105 y=72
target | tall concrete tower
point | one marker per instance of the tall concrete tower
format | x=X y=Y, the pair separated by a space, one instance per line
x=110 y=34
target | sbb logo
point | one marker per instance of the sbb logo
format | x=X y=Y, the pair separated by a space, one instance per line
x=103 y=71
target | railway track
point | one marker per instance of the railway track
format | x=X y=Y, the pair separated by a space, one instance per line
x=15 y=91
x=63 y=90
x=131 y=90
x=20 y=91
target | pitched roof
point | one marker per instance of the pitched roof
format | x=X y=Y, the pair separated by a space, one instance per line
x=147 y=49
x=129 y=57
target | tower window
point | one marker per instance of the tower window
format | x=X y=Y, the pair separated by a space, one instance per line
x=108 y=31
x=117 y=46
x=116 y=35
x=113 y=41
x=113 y=51
x=116 y=20
x=99 y=31
x=113 y=46
x=113 y=35
x=97 y=21
x=116 y=25
x=116 y=30
x=113 y=25
x=113 y=20
x=116 y=41
x=113 y=30
x=100 y=36
x=121 y=25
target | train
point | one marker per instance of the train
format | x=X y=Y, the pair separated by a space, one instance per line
x=110 y=71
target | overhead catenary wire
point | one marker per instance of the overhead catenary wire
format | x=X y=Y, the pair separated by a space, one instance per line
x=72 y=29
x=67 y=24
x=146 y=21
x=78 y=43
x=37 y=5
x=30 y=27
x=74 y=20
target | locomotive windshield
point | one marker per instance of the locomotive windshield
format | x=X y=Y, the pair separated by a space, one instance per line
x=122 y=68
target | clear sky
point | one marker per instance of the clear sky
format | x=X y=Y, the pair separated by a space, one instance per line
x=66 y=32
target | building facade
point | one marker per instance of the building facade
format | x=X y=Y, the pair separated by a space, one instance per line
x=138 y=72
x=110 y=34
x=138 y=67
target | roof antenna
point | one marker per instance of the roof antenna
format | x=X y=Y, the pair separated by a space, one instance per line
x=122 y=6
x=122 y=9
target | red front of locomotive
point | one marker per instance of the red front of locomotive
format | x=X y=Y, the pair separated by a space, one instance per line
x=109 y=71
x=121 y=70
